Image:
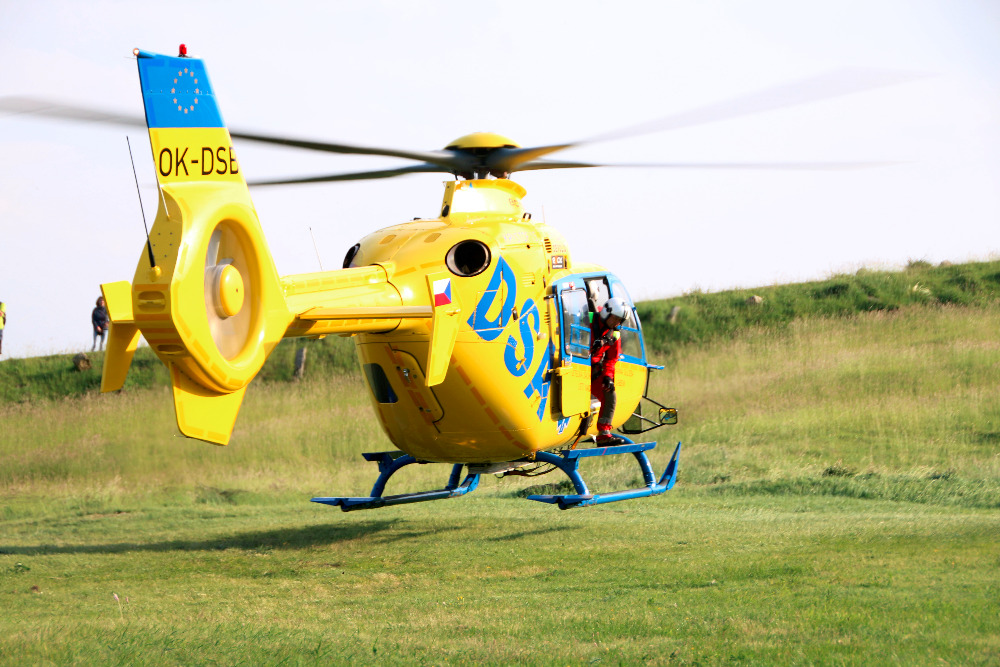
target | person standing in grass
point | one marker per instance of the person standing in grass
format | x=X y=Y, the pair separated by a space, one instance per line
x=99 y=318
x=3 y=321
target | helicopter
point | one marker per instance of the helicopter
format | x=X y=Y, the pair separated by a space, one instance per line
x=472 y=328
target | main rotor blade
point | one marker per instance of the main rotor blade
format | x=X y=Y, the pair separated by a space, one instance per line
x=41 y=107
x=356 y=175
x=53 y=109
x=441 y=158
x=815 y=89
x=788 y=166
x=508 y=160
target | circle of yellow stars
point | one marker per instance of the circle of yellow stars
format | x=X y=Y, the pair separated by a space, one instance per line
x=180 y=75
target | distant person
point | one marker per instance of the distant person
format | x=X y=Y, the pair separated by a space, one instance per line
x=99 y=318
x=3 y=321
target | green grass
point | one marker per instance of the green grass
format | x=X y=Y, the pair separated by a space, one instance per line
x=687 y=579
x=837 y=504
x=908 y=395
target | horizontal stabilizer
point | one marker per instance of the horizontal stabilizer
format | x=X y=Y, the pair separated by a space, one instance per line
x=368 y=313
x=202 y=413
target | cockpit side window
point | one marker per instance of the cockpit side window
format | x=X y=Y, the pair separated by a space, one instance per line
x=632 y=348
x=597 y=292
x=576 y=323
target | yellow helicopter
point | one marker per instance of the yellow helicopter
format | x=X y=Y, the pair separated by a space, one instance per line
x=473 y=329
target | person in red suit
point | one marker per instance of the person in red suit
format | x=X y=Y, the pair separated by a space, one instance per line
x=605 y=348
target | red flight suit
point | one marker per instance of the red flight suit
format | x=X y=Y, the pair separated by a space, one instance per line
x=606 y=347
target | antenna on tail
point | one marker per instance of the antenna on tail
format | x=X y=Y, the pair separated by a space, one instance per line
x=317 y=249
x=149 y=244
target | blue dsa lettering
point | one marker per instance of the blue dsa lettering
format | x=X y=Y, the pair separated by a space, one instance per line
x=540 y=383
x=502 y=285
x=528 y=325
x=490 y=329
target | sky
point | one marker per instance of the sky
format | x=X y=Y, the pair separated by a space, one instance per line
x=417 y=75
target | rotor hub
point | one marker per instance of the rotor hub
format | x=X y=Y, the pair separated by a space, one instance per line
x=482 y=140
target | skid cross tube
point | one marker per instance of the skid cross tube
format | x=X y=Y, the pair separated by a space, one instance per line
x=568 y=461
x=388 y=464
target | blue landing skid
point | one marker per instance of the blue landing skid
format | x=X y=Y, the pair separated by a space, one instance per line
x=387 y=466
x=568 y=460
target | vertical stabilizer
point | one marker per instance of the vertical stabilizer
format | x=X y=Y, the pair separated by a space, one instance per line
x=123 y=336
x=444 y=326
x=190 y=142
x=212 y=306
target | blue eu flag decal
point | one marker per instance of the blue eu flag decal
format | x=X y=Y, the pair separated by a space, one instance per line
x=177 y=93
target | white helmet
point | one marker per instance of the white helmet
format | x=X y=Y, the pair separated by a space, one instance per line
x=614 y=306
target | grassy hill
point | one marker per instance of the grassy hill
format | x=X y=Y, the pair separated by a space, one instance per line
x=702 y=318
x=708 y=317
x=55 y=376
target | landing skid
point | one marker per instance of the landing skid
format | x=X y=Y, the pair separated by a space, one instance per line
x=567 y=460
x=388 y=464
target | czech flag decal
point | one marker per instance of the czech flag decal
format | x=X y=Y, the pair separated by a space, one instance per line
x=442 y=292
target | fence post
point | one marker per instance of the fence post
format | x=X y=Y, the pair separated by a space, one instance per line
x=300 y=362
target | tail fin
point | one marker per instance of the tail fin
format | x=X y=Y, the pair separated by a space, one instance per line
x=190 y=142
x=211 y=306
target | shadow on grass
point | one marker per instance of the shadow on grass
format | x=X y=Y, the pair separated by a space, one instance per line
x=530 y=533
x=382 y=532
x=281 y=538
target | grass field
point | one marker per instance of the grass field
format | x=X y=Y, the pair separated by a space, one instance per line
x=838 y=503
x=689 y=579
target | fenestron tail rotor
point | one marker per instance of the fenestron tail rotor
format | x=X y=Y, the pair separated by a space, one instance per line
x=228 y=291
